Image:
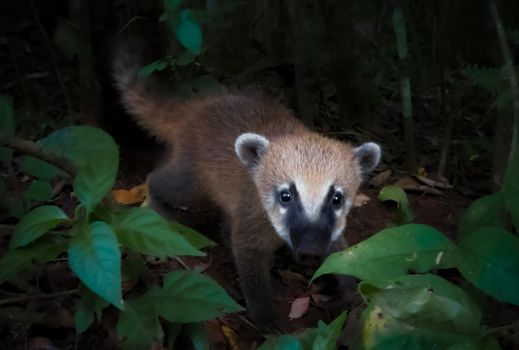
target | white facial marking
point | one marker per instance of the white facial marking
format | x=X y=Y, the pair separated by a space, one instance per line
x=337 y=233
x=312 y=199
x=282 y=232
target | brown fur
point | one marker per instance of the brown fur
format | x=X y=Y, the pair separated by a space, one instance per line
x=203 y=167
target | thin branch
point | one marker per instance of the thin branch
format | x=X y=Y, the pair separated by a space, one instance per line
x=49 y=319
x=25 y=298
x=52 y=55
x=33 y=149
x=510 y=76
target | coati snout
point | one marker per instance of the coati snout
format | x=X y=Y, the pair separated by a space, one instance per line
x=274 y=181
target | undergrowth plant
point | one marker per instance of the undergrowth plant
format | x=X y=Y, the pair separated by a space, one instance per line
x=104 y=243
x=410 y=307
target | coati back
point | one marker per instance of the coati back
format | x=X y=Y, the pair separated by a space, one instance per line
x=275 y=181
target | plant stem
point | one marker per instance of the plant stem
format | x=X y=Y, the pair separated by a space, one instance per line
x=33 y=149
x=52 y=55
x=405 y=90
x=25 y=298
x=502 y=329
x=509 y=73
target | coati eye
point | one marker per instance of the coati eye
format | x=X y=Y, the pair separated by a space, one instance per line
x=337 y=199
x=285 y=196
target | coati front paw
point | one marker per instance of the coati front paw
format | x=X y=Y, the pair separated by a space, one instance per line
x=265 y=319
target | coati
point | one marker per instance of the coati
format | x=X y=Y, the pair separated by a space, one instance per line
x=275 y=181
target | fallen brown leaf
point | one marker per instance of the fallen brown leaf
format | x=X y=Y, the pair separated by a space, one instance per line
x=381 y=178
x=409 y=183
x=134 y=195
x=299 y=308
x=231 y=337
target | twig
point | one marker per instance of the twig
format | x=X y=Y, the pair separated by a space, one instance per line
x=52 y=55
x=50 y=319
x=511 y=77
x=25 y=298
x=502 y=329
x=33 y=149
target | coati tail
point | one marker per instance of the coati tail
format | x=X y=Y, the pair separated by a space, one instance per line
x=142 y=98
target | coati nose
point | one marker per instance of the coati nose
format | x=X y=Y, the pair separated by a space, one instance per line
x=310 y=242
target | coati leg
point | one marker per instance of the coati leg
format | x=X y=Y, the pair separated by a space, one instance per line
x=254 y=264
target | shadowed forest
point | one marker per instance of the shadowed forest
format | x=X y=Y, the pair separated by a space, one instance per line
x=432 y=233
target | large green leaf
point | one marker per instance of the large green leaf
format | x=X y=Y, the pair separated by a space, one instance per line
x=38 y=168
x=489 y=258
x=6 y=125
x=16 y=260
x=90 y=307
x=95 y=258
x=39 y=190
x=392 y=252
x=95 y=156
x=35 y=223
x=188 y=31
x=139 y=325
x=415 y=311
x=195 y=238
x=146 y=232
x=486 y=211
x=188 y=296
x=324 y=337
x=394 y=193
x=511 y=189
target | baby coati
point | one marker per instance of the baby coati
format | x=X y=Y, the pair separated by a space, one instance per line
x=275 y=181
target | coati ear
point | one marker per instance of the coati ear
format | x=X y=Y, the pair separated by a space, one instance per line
x=368 y=156
x=250 y=148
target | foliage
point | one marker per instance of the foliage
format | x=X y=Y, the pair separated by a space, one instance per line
x=396 y=194
x=324 y=337
x=103 y=242
x=409 y=311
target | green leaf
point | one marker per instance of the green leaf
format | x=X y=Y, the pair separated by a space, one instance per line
x=185 y=58
x=95 y=156
x=196 y=239
x=486 y=211
x=38 y=168
x=397 y=194
x=39 y=190
x=392 y=252
x=95 y=258
x=191 y=297
x=6 y=125
x=489 y=259
x=324 y=337
x=35 y=223
x=188 y=32
x=144 y=231
x=133 y=267
x=414 y=311
x=327 y=336
x=16 y=208
x=89 y=308
x=16 y=260
x=511 y=188
x=196 y=331
x=139 y=325
x=155 y=66
x=69 y=39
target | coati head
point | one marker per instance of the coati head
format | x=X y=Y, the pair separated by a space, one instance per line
x=307 y=184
